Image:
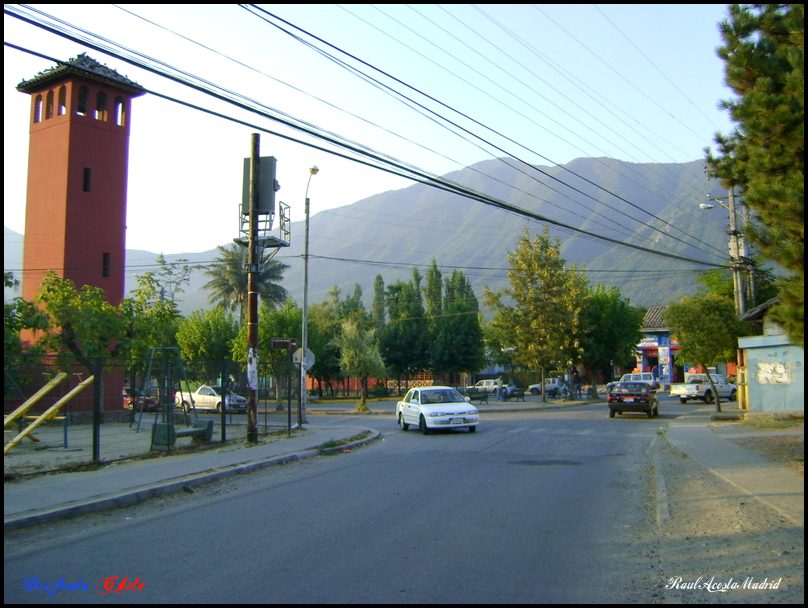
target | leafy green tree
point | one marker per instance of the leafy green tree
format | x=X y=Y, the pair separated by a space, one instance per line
x=80 y=323
x=457 y=337
x=404 y=341
x=707 y=329
x=719 y=281
x=378 y=308
x=359 y=356
x=285 y=321
x=18 y=315
x=151 y=315
x=169 y=281
x=324 y=329
x=611 y=330
x=205 y=340
x=433 y=291
x=764 y=54
x=352 y=307
x=542 y=307
x=228 y=283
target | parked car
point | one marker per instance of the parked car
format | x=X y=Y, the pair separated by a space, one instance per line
x=632 y=397
x=209 y=398
x=552 y=386
x=139 y=403
x=436 y=407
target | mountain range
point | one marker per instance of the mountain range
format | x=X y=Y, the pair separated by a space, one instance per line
x=596 y=205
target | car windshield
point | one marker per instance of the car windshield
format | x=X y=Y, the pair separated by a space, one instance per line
x=440 y=396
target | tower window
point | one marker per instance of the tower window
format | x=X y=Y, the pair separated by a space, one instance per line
x=62 y=107
x=49 y=105
x=87 y=179
x=105 y=258
x=101 y=106
x=120 y=112
x=38 y=108
x=81 y=109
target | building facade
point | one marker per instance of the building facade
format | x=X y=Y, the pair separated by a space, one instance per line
x=773 y=369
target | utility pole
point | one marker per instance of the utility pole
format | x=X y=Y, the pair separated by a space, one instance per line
x=735 y=255
x=252 y=293
x=256 y=214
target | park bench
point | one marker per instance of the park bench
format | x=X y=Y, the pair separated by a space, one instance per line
x=164 y=434
x=475 y=394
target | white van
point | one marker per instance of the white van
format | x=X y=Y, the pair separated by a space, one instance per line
x=646 y=377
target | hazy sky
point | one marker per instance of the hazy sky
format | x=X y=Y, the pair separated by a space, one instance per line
x=546 y=83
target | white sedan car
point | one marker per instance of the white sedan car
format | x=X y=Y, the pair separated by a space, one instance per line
x=436 y=407
x=209 y=398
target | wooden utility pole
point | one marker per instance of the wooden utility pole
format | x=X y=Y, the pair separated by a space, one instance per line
x=252 y=294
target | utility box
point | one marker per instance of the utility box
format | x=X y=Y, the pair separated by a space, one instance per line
x=267 y=186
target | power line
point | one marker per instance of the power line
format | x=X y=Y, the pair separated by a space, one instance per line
x=455 y=125
x=378 y=162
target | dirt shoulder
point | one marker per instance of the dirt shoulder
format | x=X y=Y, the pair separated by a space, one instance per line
x=779 y=440
x=719 y=545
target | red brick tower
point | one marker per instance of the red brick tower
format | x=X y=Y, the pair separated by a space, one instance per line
x=75 y=221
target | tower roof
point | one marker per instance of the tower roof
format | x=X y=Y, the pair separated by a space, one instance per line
x=82 y=65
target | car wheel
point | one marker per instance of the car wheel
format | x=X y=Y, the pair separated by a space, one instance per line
x=404 y=426
x=733 y=395
x=219 y=407
x=534 y=391
x=682 y=400
x=611 y=413
x=186 y=407
x=472 y=429
x=422 y=425
x=708 y=396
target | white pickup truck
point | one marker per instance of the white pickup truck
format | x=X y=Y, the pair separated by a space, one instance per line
x=697 y=386
x=490 y=386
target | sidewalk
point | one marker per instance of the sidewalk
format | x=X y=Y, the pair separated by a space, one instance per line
x=774 y=484
x=122 y=483
x=126 y=482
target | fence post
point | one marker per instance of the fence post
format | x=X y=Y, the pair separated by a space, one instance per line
x=97 y=397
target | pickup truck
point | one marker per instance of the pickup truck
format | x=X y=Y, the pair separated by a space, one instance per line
x=697 y=386
x=489 y=386
x=553 y=387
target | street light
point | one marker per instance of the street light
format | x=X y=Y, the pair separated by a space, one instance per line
x=303 y=376
x=737 y=251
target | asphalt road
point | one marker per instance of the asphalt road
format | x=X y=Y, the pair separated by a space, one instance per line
x=547 y=507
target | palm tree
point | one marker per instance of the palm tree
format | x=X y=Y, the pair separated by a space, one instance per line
x=228 y=283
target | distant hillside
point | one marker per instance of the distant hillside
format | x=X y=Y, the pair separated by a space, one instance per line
x=391 y=232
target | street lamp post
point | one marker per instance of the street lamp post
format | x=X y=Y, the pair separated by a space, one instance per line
x=305 y=330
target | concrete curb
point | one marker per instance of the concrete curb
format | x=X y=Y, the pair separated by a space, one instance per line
x=373 y=436
x=663 y=511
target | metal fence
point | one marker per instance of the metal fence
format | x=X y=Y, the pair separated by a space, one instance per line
x=116 y=415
